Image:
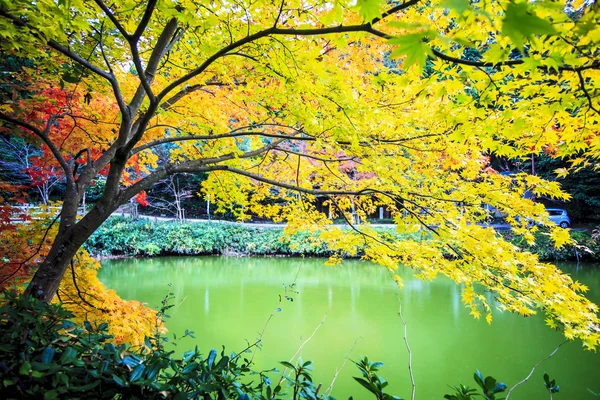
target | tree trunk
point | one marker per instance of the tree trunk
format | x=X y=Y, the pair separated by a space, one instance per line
x=83 y=204
x=68 y=241
x=47 y=278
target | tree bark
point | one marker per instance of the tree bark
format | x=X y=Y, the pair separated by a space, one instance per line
x=68 y=241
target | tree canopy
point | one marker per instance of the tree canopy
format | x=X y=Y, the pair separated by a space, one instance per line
x=374 y=104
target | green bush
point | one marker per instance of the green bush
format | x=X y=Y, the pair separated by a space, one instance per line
x=46 y=356
x=585 y=248
x=124 y=236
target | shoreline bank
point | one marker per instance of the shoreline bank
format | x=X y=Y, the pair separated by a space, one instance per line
x=122 y=237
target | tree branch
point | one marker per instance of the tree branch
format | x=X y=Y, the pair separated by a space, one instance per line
x=73 y=56
x=260 y=178
x=145 y=78
x=279 y=13
x=533 y=369
x=39 y=248
x=587 y=94
x=352 y=226
x=214 y=137
x=366 y=27
x=237 y=133
x=144 y=22
x=113 y=19
x=323 y=160
x=593 y=65
x=202 y=165
x=113 y=81
x=190 y=89
x=147 y=75
x=79 y=294
x=394 y=10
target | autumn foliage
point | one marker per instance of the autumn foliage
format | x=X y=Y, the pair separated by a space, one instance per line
x=26 y=241
x=283 y=106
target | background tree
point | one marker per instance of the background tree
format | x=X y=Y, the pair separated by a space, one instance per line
x=238 y=88
x=15 y=159
x=169 y=195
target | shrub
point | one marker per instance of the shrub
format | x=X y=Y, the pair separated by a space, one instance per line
x=124 y=236
x=47 y=356
x=585 y=248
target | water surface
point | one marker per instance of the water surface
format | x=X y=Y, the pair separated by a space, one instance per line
x=228 y=300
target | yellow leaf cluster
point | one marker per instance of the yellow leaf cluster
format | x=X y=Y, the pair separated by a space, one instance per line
x=83 y=294
x=80 y=291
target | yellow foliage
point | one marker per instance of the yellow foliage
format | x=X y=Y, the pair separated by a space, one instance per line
x=398 y=281
x=251 y=95
x=488 y=318
x=80 y=291
x=560 y=237
x=85 y=296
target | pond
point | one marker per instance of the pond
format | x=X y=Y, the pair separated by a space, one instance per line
x=228 y=300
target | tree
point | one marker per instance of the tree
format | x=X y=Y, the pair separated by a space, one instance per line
x=170 y=194
x=269 y=98
x=24 y=164
x=80 y=291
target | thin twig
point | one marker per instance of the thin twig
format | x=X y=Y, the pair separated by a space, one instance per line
x=275 y=310
x=338 y=370
x=533 y=369
x=79 y=294
x=410 y=368
x=279 y=14
x=39 y=248
x=587 y=94
x=251 y=345
x=299 y=350
x=264 y=329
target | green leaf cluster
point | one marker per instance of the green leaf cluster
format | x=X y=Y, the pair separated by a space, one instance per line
x=47 y=356
x=371 y=381
x=123 y=236
x=521 y=23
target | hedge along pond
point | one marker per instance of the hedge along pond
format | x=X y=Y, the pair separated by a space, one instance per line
x=126 y=237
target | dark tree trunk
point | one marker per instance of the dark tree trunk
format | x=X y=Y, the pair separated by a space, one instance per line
x=46 y=280
x=72 y=233
x=68 y=241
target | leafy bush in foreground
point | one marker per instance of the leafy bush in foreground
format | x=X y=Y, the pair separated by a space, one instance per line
x=44 y=355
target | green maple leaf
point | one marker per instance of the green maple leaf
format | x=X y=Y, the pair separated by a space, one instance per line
x=413 y=47
x=460 y=6
x=530 y=63
x=369 y=9
x=520 y=23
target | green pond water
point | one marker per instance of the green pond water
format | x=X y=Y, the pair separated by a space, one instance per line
x=228 y=300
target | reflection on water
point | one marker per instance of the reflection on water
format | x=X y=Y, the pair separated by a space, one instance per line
x=227 y=301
